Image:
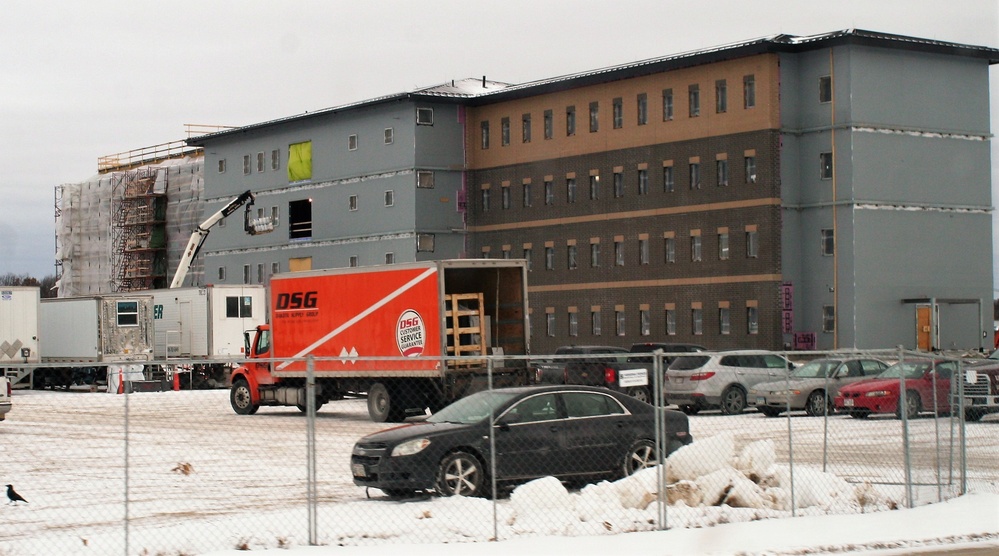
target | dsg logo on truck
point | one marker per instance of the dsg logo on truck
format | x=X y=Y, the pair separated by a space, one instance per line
x=410 y=334
x=296 y=301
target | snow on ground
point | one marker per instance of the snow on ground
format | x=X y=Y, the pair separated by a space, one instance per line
x=730 y=492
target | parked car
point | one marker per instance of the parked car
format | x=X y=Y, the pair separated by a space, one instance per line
x=668 y=348
x=981 y=391
x=5 y=397
x=606 y=366
x=923 y=379
x=812 y=386
x=574 y=433
x=720 y=380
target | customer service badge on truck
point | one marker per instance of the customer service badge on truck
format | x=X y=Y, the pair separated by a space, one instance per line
x=410 y=333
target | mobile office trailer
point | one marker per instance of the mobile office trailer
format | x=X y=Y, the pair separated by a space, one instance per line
x=19 y=307
x=432 y=322
x=202 y=328
x=90 y=333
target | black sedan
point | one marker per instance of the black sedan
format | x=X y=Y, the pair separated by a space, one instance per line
x=575 y=433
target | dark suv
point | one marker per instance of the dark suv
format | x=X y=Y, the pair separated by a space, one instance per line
x=670 y=349
x=607 y=366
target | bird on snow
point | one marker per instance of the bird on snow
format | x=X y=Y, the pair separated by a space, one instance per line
x=13 y=496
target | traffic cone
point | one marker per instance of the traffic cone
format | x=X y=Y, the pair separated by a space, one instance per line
x=121 y=382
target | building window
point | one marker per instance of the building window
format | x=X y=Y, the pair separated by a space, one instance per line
x=721 y=96
x=723 y=246
x=275 y=159
x=671 y=322
x=550 y=324
x=424 y=116
x=750 y=164
x=825 y=166
x=484 y=129
x=485 y=199
x=618 y=113
x=618 y=184
x=828 y=243
x=388 y=136
x=529 y=256
x=724 y=322
x=695 y=175
x=389 y=258
x=260 y=162
x=571 y=255
x=505 y=196
x=300 y=161
x=695 y=248
x=424 y=179
x=274 y=216
x=246 y=274
x=390 y=198
x=221 y=274
x=694 y=96
x=643 y=251
x=619 y=323
x=246 y=165
x=643 y=182
x=668 y=182
x=260 y=273
x=570 y=120
x=525 y=128
x=669 y=249
x=504 y=131
x=300 y=219
x=549 y=192
x=594 y=188
x=643 y=109
x=570 y=190
x=752 y=245
x=526 y=194
x=721 y=168
x=549 y=124
x=352 y=142
x=752 y=320
x=667 y=105
x=748 y=91
x=275 y=268
x=127 y=313
x=828 y=318
x=594 y=117
x=619 y=252
x=594 y=255
x=425 y=243
x=221 y=166
x=549 y=258
x=352 y=261
x=595 y=322
x=573 y=324
x=696 y=322
x=825 y=89
x=352 y=202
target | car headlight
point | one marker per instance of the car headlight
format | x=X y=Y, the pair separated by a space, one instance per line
x=878 y=393
x=410 y=447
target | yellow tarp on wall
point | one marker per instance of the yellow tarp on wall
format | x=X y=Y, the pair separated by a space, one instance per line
x=300 y=161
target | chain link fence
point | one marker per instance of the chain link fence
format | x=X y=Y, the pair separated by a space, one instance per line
x=168 y=471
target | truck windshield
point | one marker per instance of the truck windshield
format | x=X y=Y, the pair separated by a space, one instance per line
x=472 y=409
x=263 y=342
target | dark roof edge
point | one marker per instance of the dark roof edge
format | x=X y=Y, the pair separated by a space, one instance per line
x=772 y=44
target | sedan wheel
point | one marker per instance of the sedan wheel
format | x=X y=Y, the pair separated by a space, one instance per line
x=460 y=474
x=640 y=394
x=733 y=401
x=641 y=455
x=912 y=405
x=818 y=404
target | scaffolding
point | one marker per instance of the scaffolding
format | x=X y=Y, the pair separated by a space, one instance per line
x=138 y=229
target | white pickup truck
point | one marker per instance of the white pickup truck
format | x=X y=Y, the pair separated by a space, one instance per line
x=4 y=397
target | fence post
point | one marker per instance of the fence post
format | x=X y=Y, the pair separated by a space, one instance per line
x=660 y=422
x=127 y=503
x=492 y=450
x=962 y=422
x=903 y=412
x=790 y=439
x=310 y=443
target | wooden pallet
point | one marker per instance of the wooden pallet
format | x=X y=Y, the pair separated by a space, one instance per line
x=465 y=317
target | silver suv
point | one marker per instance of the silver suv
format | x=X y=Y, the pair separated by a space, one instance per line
x=720 y=380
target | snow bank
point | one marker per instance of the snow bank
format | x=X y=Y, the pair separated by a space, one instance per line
x=706 y=483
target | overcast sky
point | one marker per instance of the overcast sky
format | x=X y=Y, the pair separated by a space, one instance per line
x=83 y=79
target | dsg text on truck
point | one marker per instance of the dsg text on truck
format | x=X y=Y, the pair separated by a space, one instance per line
x=428 y=321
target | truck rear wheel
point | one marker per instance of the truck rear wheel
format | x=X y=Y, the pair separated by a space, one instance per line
x=379 y=403
x=240 y=398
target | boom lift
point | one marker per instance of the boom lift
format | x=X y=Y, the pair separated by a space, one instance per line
x=252 y=226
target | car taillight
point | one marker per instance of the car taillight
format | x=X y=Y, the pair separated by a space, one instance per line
x=702 y=376
x=610 y=376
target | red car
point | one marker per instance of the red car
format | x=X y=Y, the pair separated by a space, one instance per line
x=923 y=379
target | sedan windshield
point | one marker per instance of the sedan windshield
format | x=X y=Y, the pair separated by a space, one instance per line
x=816 y=369
x=472 y=409
x=905 y=370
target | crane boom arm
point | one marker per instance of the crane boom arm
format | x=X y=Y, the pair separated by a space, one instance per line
x=201 y=233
